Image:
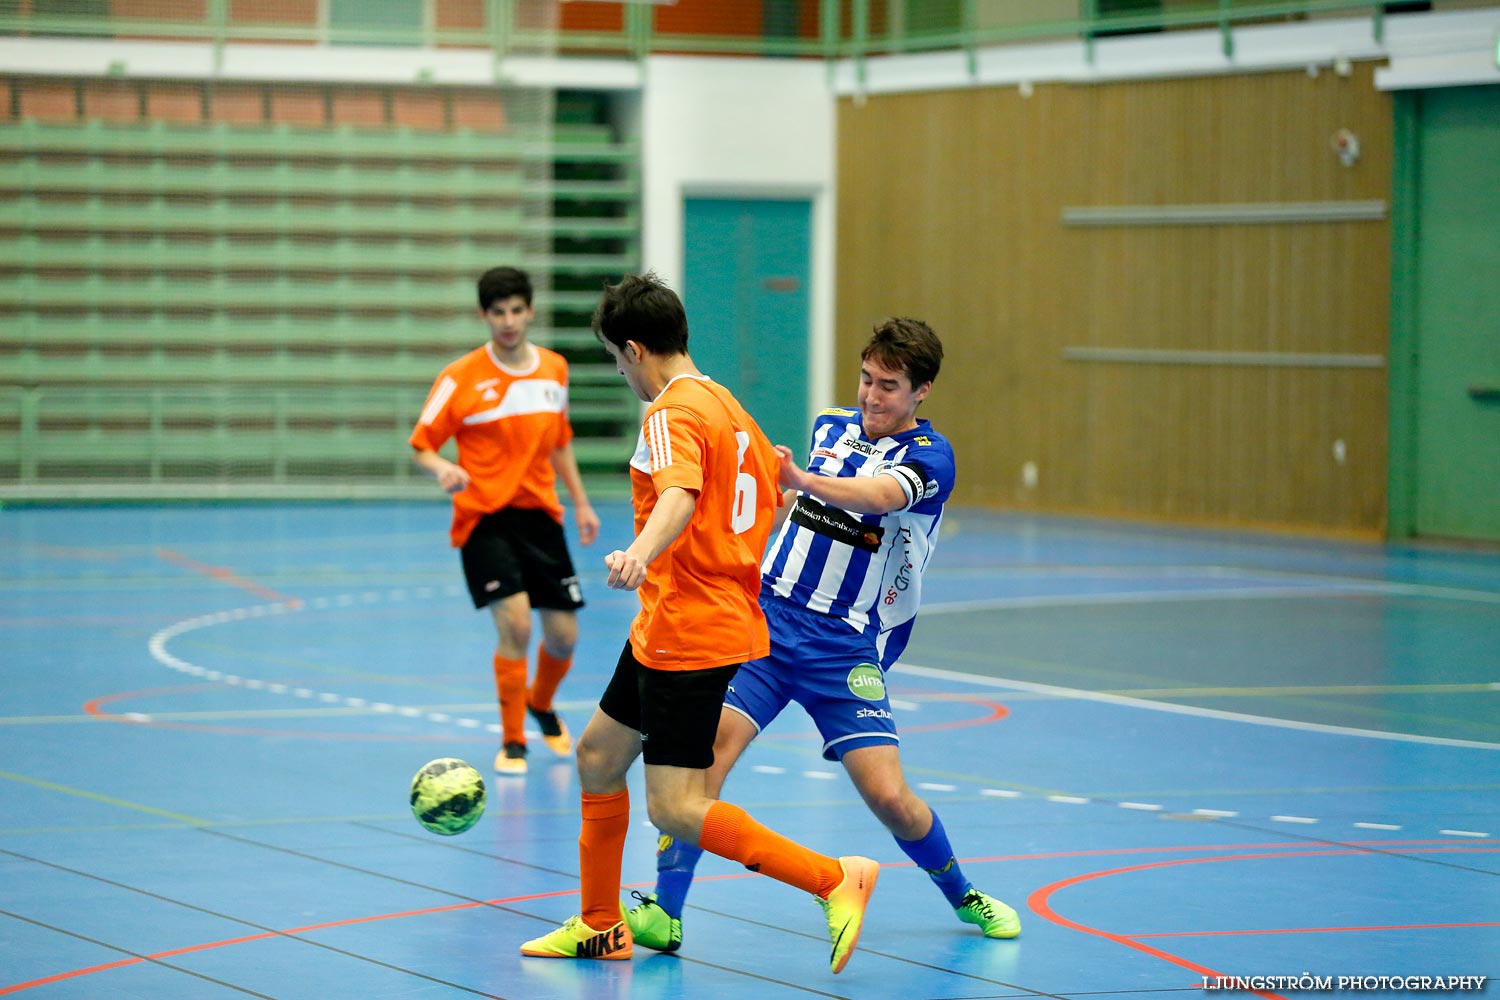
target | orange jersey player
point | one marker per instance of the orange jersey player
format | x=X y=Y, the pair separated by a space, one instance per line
x=697 y=438
x=505 y=405
x=704 y=485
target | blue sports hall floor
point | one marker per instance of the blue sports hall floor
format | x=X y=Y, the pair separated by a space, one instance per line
x=1179 y=754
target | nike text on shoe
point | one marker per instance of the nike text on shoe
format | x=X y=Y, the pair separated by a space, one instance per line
x=576 y=939
x=991 y=916
x=652 y=927
x=845 y=907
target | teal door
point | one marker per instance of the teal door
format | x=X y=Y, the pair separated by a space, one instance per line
x=746 y=265
x=1457 y=314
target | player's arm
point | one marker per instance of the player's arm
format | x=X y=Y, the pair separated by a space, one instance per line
x=879 y=494
x=674 y=509
x=779 y=516
x=451 y=476
x=566 y=465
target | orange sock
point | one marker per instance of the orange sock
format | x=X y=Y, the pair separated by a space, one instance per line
x=510 y=686
x=730 y=832
x=601 y=845
x=549 y=674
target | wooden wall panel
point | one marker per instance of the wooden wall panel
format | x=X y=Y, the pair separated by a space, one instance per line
x=950 y=209
x=175 y=102
x=358 y=107
x=237 y=104
x=299 y=106
x=418 y=109
x=480 y=111
x=111 y=100
x=48 y=100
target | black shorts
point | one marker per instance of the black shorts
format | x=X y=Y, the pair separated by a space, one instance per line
x=675 y=711
x=518 y=549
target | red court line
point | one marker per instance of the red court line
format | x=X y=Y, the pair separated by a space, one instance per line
x=226 y=576
x=268 y=935
x=1324 y=930
x=1040 y=901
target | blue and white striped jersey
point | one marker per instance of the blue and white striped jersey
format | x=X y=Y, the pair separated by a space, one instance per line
x=864 y=568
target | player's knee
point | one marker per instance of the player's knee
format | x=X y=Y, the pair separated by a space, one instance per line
x=560 y=643
x=514 y=628
x=896 y=806
x=599 y=769
x=672 y=817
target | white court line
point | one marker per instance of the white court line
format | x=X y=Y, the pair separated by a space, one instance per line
x=1079 y=694
x=1135 y=597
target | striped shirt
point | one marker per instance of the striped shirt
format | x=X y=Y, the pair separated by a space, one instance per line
x=864 y=568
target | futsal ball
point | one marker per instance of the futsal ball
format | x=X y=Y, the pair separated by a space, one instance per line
x=447 y=796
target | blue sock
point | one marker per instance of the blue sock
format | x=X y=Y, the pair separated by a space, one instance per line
x=675 y=862
x=934 y=855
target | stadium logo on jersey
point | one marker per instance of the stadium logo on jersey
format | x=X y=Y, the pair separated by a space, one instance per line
x=867 y=682
x=854 y=444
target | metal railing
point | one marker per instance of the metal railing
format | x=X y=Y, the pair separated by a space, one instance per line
x=824 y=29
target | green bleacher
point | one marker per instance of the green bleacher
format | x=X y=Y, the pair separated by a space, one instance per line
x=259 y=311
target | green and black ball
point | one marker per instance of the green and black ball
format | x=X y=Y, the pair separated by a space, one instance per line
x=447 y=796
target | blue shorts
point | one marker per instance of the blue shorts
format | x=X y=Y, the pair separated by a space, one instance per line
x=825 y=666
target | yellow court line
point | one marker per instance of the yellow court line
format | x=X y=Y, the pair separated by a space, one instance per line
x=107 y=800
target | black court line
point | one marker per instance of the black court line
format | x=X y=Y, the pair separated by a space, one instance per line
x=236 y=920
x=133 y=954
x=1022 y=990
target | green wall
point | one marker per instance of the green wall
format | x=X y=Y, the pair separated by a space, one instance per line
x=1445 y=348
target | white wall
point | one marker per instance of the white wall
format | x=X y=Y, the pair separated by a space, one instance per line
x=758 y=128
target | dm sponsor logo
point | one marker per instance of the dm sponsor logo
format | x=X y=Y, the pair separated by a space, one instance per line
x=867 y=682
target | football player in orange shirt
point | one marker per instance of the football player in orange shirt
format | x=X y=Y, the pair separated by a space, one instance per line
x=505 y=404
x=704 y=488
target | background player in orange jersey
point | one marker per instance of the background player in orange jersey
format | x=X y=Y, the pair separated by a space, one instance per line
x=704 y=487
x=506 y=405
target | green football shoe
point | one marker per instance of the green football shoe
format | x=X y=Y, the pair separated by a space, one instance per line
x=845 y=907
x=576 y=939
x=992 y=916
x=652 y=927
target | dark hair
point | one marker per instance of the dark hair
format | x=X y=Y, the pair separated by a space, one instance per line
x=643 y=309
x=906 y=345
x=501 y=283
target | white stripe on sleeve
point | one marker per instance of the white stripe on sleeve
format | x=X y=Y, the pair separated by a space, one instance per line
x=438 y=400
